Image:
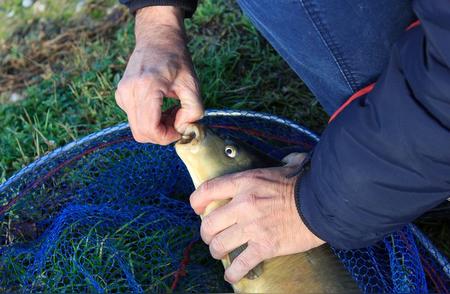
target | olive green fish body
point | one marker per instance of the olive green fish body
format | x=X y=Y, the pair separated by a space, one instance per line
x=207 y=156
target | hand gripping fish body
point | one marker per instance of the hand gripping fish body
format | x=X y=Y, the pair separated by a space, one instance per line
x=206 y=156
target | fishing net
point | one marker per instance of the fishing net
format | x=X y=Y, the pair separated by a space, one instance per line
x=107 y=214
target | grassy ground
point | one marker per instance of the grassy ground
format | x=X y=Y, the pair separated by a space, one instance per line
x=73 y=94
x=59 y=67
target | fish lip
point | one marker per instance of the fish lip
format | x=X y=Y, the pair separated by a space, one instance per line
x=193 y=134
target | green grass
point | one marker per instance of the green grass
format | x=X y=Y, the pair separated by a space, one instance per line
x=74 y=97
x=68 y=90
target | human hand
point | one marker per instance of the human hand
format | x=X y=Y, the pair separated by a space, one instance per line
x=262 y=213
x=159 y=66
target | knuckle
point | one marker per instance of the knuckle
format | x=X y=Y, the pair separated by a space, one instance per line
x=118 y=99
x=234 y=180
x=257 y=252
x=122 y=85
x=241 y=205
x=266 y=248
x=140 y=139
x=196 y=112
x=143 y=81
x=257 y=174
x=207 y=228
x=140 y=136
x=242 y=262
x=253 y=228
x=125 y=85
x=142 y=132
x=217 y=248
x=138 y=82
x=144 y=128
x=193 y=199
x=206 y=188
x=251 y=200
x=117 y=93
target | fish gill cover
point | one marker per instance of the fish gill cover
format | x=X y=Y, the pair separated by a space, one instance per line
x=107 y=214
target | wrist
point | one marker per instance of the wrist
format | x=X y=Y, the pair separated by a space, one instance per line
x=298 y=195
x=160 y=15
x=158 y=22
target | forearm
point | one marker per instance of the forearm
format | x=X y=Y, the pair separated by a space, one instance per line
x=187 y=6
x=385 y=159
x=160 y=66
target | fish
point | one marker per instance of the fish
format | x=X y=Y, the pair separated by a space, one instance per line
x=207 y=155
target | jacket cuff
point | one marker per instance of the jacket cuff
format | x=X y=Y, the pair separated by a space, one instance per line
x=188 y=6
x=330 y=228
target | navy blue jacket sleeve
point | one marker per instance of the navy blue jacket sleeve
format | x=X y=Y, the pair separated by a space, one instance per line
x=385 y=159
x=188 y=6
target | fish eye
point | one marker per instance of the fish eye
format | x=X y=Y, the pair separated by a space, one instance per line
x=230 y=151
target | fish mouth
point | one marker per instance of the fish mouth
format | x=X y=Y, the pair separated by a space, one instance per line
x=194 y=134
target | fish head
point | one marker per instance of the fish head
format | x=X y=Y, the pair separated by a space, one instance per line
x=208 y=155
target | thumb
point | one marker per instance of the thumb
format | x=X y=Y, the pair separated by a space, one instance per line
x=294 y=159
x=191 y=109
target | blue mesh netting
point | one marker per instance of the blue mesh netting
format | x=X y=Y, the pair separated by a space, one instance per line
x=107 y=214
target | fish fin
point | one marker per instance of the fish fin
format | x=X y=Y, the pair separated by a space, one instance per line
x=332 y=267
x=253 y=273
x=294 y=159
x=315 y=271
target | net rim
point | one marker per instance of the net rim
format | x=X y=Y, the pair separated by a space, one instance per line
x=420 y=237
x=432 y=250
x=123 y=126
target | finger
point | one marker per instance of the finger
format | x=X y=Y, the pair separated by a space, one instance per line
x=145 y=115
x=191 y=108
x=148 y=120
x=132 y=123
x=161 y=126
x=168 y=120
x=227 y=240
x=171 y=94
x=220 y=188
x=171 y=112
x=220 y=219
x=133 y=94
x=294 y=159
x=142 y=100
x=119 y=100
x=242 y=264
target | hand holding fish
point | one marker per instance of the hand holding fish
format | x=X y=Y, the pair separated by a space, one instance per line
x=159 y=67
x=246 y=201
x=261 y=213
